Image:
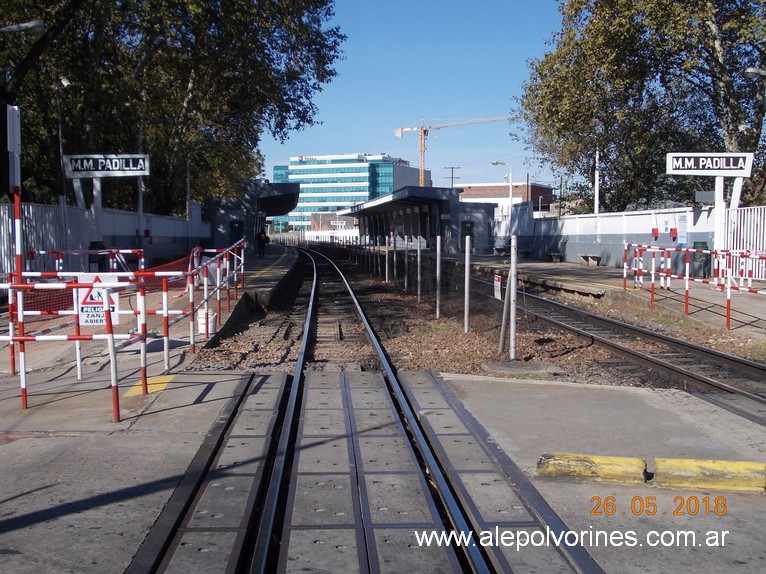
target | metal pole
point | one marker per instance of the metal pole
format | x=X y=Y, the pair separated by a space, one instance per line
x=420 y=274
x=438 y=274
x=393 y=256
x=406 y=265
x=188 y=206
x=596 y=184
x=512 y=288
x=506 y=309
x=467 y=286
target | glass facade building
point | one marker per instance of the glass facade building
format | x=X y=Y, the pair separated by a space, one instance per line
x=332 y=182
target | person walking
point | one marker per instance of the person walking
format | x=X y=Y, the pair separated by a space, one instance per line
x=261 y=242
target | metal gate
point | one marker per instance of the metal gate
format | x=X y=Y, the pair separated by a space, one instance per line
x=746 y=231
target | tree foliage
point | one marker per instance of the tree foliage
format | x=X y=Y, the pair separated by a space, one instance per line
x=636 y=79
x=192 y=83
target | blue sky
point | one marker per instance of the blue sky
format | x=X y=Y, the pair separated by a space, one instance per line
x=432 y=61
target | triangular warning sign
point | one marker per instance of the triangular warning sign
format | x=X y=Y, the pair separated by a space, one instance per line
x=89 y=301
x=95 y=295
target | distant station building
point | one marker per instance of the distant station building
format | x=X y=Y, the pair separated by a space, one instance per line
x=329 y=183
x=479 y=211
x=541 y=196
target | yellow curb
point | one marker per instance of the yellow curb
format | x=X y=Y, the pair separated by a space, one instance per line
x=613 y=468
x=154 y=385
x=710 y=474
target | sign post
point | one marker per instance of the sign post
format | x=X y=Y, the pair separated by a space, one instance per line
x=719 y=165
x=96 y=166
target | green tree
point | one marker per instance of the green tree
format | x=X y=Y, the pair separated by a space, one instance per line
x=636 y=79
x=192 y=83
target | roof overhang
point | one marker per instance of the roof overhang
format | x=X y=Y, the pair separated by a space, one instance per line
x=404 y=197
x=272 y=198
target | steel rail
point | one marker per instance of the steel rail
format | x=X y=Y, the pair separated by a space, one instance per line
x=732 y=361
x=260 y=560
x=741 y=364
x=477 y=560
x=648 y=360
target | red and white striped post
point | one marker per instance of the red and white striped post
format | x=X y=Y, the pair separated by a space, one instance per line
x=625 y=268
x=205 y=296
x=107 y=294
x=77 y=331
x=651 y=298
x=686 y=282
x=165 y=324
x=22 y=349
x=728 y=305
x=219 y=286
x=192 y=317
x=142 y=330
x=13 y=116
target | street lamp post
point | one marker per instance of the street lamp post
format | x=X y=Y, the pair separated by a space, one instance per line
x=760 y=75
x=510 y=179
x=596 y=183
x=509 y=305
x=64 y=84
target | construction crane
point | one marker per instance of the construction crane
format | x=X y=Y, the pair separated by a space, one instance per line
x=424 y=129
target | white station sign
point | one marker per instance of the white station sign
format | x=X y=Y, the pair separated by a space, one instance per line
x=710 y=164
x=105 y=165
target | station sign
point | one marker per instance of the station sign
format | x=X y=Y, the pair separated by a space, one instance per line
x=710 y=164
x=105 y=165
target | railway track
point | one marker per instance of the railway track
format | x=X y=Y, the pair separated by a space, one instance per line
x=729 y=381
x=734 y=383
x=337 y=465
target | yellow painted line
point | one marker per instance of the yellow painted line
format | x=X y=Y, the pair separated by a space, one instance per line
x=155 y=385
x=710 y=474
x=613 y=468
x=267 y=268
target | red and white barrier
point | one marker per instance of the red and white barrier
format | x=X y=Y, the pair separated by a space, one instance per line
x=724 y=263
x=21 y=283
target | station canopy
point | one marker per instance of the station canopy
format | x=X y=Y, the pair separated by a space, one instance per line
x=272 y=198
x=411 y=196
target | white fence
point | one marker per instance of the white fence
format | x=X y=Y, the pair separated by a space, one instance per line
x=746 y=232
x=67 y=228
x=45 y=227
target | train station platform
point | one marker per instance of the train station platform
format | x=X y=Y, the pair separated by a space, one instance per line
x=80 y=492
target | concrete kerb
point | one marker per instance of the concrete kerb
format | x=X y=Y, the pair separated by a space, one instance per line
x=612 y=468
x=669 y=472
x=244 y=305
x=710 y=474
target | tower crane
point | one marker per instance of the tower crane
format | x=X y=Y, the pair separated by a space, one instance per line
x=424 y=129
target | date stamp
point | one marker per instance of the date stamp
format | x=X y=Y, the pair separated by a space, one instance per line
x=647 y=506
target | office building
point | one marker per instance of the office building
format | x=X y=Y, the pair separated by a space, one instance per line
x=332 y=182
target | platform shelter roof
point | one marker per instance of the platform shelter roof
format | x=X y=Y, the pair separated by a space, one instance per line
x=404 y=197
x=272 y=198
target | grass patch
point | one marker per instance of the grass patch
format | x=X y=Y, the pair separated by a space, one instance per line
x=757 y=351
x=443 y=327
x=658 y=318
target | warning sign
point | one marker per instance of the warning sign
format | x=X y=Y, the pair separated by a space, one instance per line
x=90 y=301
